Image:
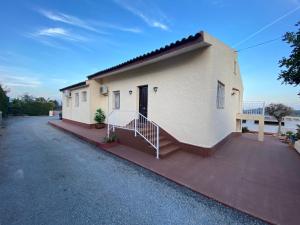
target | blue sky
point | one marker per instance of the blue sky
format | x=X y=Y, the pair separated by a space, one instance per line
x=46 y=45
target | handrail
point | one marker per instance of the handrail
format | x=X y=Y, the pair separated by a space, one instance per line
x=254 y=107
x=132 y=120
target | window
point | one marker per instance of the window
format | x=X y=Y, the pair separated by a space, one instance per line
x=68 y=101
x=220 y=95
x=234 y=67
x=84 y=96
x=116 y=100
x=76 y=99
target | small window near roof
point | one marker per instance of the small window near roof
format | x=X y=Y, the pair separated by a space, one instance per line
x=234 y=67
x=220 y=95
x=116 y=100
x=84 y=96
x=76 y=99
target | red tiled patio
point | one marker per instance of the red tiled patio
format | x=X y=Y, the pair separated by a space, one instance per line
x=259 y=178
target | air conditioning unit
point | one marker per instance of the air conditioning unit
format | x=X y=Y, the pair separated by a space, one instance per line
x=67 y=94
x=103 y=90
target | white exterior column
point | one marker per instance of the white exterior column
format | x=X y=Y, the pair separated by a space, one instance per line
x=261 y=129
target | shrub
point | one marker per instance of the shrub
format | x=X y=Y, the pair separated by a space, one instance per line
x=289 y=134
x=245 y=129
x=111 y=138
x=4 y=100
x=292 y=137
x=99 y=116
x=28 y=105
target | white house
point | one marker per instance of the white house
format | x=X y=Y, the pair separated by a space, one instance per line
x=188 y=92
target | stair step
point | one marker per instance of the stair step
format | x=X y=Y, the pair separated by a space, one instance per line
x=162 y=138
x=164 y=143
x=165 y=151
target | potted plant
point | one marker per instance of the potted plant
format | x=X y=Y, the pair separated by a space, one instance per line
x=291 y=138
x=99 y=118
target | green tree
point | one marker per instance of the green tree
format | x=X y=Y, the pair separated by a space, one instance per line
x=291 y=73
x=56 y=104
x=16 y=107
x=278 y=111
x=28 y=105
x=4 y=101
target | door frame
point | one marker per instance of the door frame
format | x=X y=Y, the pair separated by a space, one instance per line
x=139 y=99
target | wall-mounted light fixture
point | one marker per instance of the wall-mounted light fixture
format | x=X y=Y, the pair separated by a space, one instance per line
x=130 y=92
x=155 y=89
x=235 y=91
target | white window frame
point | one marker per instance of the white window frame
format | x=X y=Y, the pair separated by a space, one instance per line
x=116 y=101
x=220 y=95
x=84 y=96
x=76 y=102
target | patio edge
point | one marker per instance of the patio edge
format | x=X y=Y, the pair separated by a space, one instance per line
x=106 y=148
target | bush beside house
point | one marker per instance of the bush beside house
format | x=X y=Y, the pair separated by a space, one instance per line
x=28 y=105
x=4 y=101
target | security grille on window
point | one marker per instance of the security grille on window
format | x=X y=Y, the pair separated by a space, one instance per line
x=84 y=96
x=116 y=99
x=76 y=99
x=220 y=95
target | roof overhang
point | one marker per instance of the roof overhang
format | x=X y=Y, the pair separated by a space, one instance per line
x=75 y=86
x=169 y=51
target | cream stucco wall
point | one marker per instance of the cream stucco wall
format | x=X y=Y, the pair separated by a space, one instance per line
x=222 y=59
x=80 y=113
x=185 y=103
x=181 y=97
x=96 y=99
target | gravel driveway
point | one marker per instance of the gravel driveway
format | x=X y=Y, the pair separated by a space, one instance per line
x=50 y=177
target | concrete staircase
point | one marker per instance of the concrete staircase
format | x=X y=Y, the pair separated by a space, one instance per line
x=167 y=144
x=137 y=131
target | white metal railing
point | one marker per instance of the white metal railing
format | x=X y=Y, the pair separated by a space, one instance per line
x=254 y=108
x=132 y=120
x=121 y=119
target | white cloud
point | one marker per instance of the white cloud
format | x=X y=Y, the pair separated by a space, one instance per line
x=152 y=20
x=68 y=19
x=60 y=33
x=117 y=27
x=160 y=25
x=14 y=76
x=53 y=32
x=59 y=80
x=91 y=26
x=19 y=81
x=132 y=30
